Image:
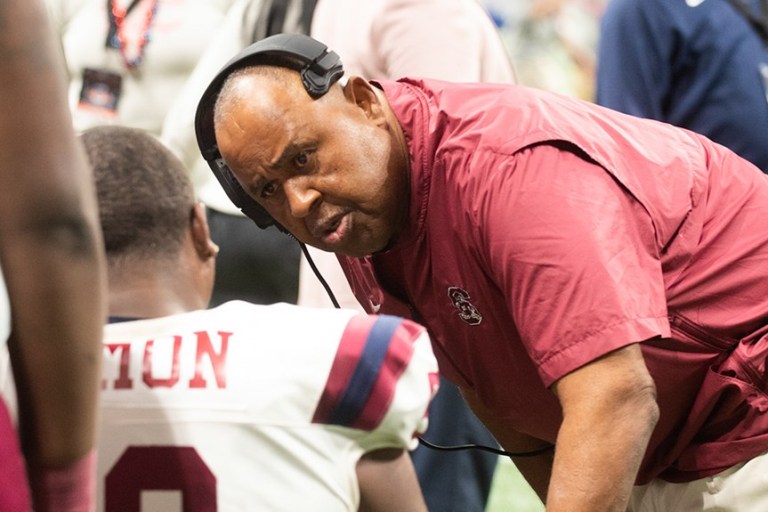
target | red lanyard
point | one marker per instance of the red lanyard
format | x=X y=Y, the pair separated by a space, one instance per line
x=116 y=36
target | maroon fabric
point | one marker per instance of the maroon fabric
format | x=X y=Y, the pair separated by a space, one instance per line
x=545 y=232
x=14 y=491
x=68 y=489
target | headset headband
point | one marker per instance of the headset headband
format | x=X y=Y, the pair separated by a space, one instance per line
x=319 y=69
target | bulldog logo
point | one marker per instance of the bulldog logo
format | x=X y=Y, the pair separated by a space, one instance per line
x=467 y=311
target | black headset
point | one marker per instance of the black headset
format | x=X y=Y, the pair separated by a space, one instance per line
x=319 y=69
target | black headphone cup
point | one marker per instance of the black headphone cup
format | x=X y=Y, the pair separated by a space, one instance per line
x=238 y=195
x=319 y=69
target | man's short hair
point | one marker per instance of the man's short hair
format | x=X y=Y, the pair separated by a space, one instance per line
x=145 y=196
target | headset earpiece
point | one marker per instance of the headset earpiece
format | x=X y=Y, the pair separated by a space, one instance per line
x=319 y=69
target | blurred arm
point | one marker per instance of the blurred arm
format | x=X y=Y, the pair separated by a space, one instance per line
x=50 y=249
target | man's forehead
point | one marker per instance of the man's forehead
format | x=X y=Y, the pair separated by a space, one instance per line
x=269 y=99
x=267 y=80
x=255 y=137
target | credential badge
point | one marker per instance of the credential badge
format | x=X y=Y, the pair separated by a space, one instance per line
x=467 y=311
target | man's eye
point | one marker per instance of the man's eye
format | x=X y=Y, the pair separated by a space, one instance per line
x=301 y=159
x=268 y=189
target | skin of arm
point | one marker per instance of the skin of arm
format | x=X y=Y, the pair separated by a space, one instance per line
x=609 y=412
x=50 y=247
x=379 y=473
x=537 y=469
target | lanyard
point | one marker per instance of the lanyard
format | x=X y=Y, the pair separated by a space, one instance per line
x=116 y=36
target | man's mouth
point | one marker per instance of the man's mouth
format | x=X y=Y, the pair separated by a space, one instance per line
x=332 y=233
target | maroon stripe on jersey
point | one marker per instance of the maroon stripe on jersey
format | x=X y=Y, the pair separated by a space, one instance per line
x=347 y=355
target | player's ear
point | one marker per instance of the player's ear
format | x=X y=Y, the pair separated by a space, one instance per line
x=201 y=233
x=362 y=93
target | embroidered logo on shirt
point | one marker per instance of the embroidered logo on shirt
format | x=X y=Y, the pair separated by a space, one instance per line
x=467 y=311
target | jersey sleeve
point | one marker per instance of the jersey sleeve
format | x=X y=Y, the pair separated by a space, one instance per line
x=576 y=257
x=381 y=382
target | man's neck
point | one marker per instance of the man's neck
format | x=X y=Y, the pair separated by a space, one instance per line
x=151 y=295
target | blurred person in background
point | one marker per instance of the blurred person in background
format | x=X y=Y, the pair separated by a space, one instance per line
x=553 y=43
x=127 y=59
x=698 y=64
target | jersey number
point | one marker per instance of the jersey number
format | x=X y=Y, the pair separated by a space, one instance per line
x=161 y=468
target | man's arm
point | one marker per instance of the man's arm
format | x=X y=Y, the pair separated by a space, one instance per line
x=609 y=412
x=536 y=469
x=50 y=253
x=388 y=482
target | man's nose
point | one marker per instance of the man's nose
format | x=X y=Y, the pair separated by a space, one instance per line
x=301 y=196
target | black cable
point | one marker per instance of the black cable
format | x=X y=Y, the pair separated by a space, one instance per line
x=317 y=274
x=497 y=451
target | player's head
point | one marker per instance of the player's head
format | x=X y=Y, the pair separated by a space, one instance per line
x=330 y=168
x=149 y=216
x=144 y=195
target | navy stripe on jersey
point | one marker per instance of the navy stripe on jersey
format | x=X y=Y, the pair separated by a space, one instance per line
x=371 y=356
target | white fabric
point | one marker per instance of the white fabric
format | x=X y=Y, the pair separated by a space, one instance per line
x=446 y=39
x=180 y=32
x=742 y=488
x=7 y=388
x=178 y=129
x=5 y=312
x=256 y=436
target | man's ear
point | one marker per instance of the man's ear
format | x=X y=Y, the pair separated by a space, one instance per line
x=201 y=233
x=362 y=93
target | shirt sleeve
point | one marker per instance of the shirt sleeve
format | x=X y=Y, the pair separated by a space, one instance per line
x=635 y=48
x=381 y=382
x=576 y=257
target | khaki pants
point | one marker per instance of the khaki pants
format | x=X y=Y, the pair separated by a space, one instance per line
x=742 y=488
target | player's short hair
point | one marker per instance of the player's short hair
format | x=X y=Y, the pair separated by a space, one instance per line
x=145 y=197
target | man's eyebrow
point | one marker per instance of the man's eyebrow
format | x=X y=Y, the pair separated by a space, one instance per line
x=275 y=165
x=281 y=159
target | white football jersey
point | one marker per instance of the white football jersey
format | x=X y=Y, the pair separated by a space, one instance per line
x=257 y=408
x=5 y=312
x=7 y=388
